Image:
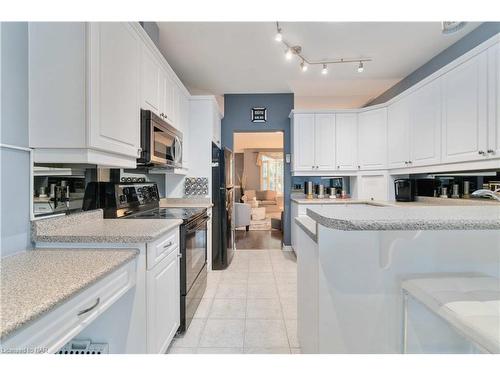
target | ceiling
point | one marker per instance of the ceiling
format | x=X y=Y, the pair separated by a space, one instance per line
x=263 y=140
x=243 y=57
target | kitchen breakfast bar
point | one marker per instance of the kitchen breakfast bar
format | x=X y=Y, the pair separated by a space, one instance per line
x=391 y=279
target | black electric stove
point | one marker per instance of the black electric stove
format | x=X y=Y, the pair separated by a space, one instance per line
x=185 y=214
x=142 y=201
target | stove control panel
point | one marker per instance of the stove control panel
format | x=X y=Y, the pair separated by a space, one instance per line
x=138 y=194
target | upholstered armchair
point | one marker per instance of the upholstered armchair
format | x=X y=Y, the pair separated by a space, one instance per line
x=242 y=215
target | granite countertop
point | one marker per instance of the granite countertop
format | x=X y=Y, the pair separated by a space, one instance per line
x=36 y=281
x=369 y=217
x=186 y=202
x=90 y=227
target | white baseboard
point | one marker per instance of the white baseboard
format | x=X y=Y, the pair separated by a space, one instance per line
x=287 y=248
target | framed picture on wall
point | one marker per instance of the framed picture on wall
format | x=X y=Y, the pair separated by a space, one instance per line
x=259 y=114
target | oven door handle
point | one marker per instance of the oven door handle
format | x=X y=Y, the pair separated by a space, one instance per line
x=197 y=224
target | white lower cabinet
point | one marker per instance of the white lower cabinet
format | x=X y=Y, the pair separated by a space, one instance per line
x=163 y=303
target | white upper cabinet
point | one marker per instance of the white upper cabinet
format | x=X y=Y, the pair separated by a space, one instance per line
x=494 y=102
x=151 y=81
x=346 y=141
x=398 y=134
x=324 y=142
x=425 y=125
x=372 y=139
x=465 y=111
x=303 y=142
x=115 y=52
x=313 y=142
x=84 y=95
x=87 y=84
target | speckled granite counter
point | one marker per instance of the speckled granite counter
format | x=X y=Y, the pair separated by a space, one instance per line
x=90 y=227
x=368 y=217
x=186 y=202
x=37 y=281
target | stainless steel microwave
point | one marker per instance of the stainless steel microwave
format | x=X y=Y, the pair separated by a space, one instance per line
x=161 y=143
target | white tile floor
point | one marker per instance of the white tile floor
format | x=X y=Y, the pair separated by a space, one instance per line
x=249 y=308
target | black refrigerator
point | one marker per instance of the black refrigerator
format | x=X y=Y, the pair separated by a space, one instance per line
x=222 y=211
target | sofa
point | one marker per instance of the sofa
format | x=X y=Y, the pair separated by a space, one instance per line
x=263 y=197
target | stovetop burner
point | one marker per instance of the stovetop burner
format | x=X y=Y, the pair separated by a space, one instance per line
x=186 y=214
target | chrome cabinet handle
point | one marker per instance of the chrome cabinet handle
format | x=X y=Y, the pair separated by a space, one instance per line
x=84 y=311
x=480 y=152
x=166 y=246
x=490 y=151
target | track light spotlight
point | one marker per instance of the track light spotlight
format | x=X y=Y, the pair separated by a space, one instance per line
x=361 y=67
x=324 y=70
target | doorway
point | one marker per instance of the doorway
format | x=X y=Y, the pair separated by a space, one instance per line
x=259 y=189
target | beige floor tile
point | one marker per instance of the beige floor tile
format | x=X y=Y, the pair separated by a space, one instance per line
x=231 y=291
x=264 y=309
x=223 y=334
x=203 y=308
x=295 y=350
x=284 y=350
x=291 y=330
x=286 y=277
x=220 y=351
x=262 y=291
x=289 y=306
x=260 y=267
x=265 y=334
x=266 y=278
x=287 y=290
x=228 y=309
x=284 y=267
x=191 y=337
x=233 y=277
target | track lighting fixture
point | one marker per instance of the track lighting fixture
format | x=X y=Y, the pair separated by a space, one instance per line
x=304 y=65
x=361 y=67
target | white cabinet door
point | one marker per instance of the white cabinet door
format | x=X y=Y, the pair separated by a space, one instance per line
x=115 y=70
x=494 y=101
x=425 y=124
x=303 y=142
x=465 y=111
x=163 y=288
x=346 y=141
x=324 y=143
x=372 y=139
x=216 y=122
x=150 y=81
x=166 y=97
x=398 y=134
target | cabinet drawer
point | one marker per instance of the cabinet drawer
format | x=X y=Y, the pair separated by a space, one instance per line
x=56 y=328
x=159 y=249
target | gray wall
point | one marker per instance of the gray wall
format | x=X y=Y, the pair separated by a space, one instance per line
x=15 y=165
x=468 y=42
x=237 y=108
